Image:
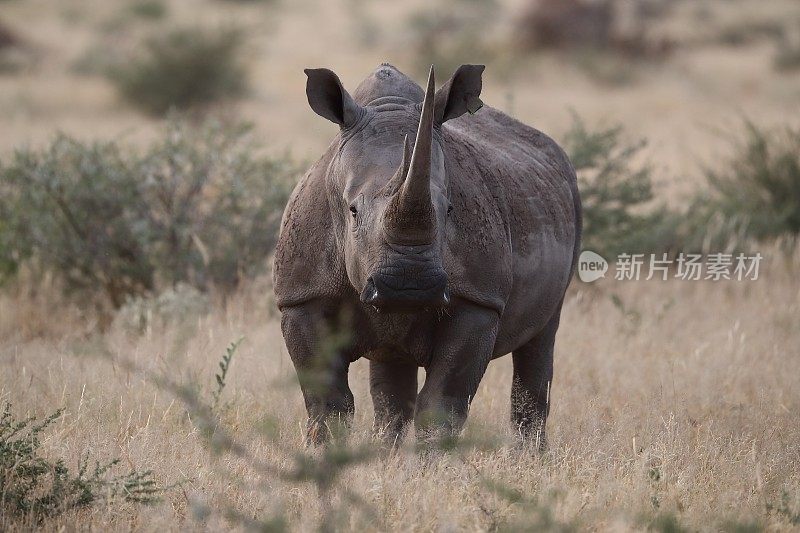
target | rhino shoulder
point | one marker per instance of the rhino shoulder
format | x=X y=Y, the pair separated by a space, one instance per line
x=307 y=261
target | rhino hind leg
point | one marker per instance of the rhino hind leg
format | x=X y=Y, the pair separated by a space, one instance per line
x=530 y=389
x=393 y=387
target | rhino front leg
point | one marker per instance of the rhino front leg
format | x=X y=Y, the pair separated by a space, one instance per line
x=460 y=356
x=322 y=364
x=394 y=392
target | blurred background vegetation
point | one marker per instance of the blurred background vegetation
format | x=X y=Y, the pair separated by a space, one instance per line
x=200 y=206
x=148 y=144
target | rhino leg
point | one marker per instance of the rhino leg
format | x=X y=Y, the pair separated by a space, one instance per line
x=394 y=392
x=461 y=353
x=530 y=389
x=321 y=366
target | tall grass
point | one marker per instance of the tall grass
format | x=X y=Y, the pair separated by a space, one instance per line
x=648 y=428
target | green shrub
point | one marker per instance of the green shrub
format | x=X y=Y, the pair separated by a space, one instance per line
x=787 y=55
x=620 y=213
x=750 y=31
x=149 y=9
x=757 y=192
x=215 y=205
x=33 y=488
x=76 y=209
x=754 y=197
x=200 y=206
x=9 y=261
x=183 y=69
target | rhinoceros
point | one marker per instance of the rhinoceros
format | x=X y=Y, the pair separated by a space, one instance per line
x=445 y=256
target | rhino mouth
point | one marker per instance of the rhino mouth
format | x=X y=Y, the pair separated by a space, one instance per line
x=408 y=283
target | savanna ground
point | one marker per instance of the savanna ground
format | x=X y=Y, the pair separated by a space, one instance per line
x=674 y=404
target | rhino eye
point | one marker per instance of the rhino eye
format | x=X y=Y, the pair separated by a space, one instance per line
x=449 y=209
x=353 y=211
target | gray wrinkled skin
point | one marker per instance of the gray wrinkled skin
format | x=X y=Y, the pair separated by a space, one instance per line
x=490 y=208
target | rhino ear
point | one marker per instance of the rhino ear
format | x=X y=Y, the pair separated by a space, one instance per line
x=328 y=98
x=460 y=94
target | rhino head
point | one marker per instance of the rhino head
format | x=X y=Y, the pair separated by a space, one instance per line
x=390 y=202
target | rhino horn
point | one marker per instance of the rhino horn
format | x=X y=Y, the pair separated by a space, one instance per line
x=410 y=217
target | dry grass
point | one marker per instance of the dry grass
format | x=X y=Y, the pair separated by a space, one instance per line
x=685 y=407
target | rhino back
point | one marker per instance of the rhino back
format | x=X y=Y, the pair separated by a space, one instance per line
x=517 y=234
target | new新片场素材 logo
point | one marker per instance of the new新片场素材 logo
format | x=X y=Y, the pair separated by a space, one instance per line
x=684 y=266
